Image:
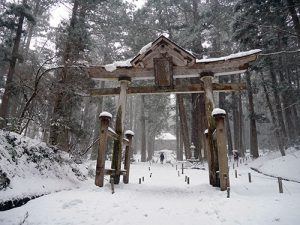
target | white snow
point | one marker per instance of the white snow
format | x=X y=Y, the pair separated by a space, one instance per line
x=113 y=66
x=165 y=136
x=145 y=48
x=218 y=111
x=274 y=164
x=105 y=114
x=165 y=197
x=232 y=56
x=206 y=131
x=35 y=169
x=129 y=132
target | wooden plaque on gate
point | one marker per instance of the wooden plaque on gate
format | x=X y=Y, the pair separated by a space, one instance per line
x=163 y=71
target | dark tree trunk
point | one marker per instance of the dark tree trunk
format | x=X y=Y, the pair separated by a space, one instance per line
x=277 y=102
x=11 y=71
x=253 y=131
x=184 y=126
x=278 y=135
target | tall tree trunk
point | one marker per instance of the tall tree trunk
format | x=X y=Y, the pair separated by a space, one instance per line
x=278 y=135
x=253 y=131
x=11 y=71
x=31 y=26
x=184 y=126
x=277 y=102
x=56 y=129
x=143 y=130
x=235 y=118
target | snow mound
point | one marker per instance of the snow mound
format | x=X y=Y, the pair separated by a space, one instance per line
x=274 y=164
x=35 y=169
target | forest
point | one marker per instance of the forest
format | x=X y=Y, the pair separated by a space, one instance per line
x=44 y=91
x=59 y=136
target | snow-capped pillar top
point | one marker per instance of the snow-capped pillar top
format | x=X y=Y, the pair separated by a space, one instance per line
x=129 y=133
x=217 y=112
x=105 y=115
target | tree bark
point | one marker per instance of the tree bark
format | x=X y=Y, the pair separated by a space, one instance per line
x=11 y=71
x=278 y=135
x=253 y=131
x=184 y=126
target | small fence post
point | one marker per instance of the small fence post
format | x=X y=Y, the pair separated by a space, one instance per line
x=228 y=192
x=188 y=180
x=140 y=180
x=235 y=173
x=249 y=176
x=182 y=168
x=280 y=185
x=104 y=117
x=112 y=183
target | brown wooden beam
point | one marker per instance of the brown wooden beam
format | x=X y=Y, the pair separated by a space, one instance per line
x=177 y=89
x=222 y=67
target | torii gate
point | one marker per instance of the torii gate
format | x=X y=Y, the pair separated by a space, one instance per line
x=165 y=62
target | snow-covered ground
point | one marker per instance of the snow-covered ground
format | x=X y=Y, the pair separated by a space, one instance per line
x=35 y=169
x=165 y=198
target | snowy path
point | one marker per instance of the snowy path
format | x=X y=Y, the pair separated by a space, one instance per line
x=166 y=199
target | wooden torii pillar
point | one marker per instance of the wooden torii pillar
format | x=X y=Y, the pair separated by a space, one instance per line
x=119 y=129
x=164 y=62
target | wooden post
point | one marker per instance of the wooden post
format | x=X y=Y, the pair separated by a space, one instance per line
x=178 y=173
x=140 y=180
x=182 y=168
x=280 y=185
x=219 y=116
x=188 y=180
x=112 y=185
x=117 y=149
x=212 y=155
x=129 y=135
x=235 y=173
x=104 y=123
x=249 y=177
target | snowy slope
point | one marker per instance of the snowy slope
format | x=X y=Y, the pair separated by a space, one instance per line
x=274 y=164
x=35 y=169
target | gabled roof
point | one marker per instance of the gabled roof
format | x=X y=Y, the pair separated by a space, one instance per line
x=162 y=47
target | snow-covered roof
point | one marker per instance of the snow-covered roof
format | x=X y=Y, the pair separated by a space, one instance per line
x=113 y=66
x=165 y=136
x=145 y=48
x=232 y=56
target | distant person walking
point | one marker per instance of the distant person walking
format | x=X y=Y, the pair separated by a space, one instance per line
x=162 y=157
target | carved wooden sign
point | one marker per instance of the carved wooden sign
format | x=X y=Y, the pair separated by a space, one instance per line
x=163 y=71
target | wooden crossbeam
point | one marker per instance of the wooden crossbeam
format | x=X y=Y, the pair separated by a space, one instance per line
x=222 y=67
x=190 y=88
